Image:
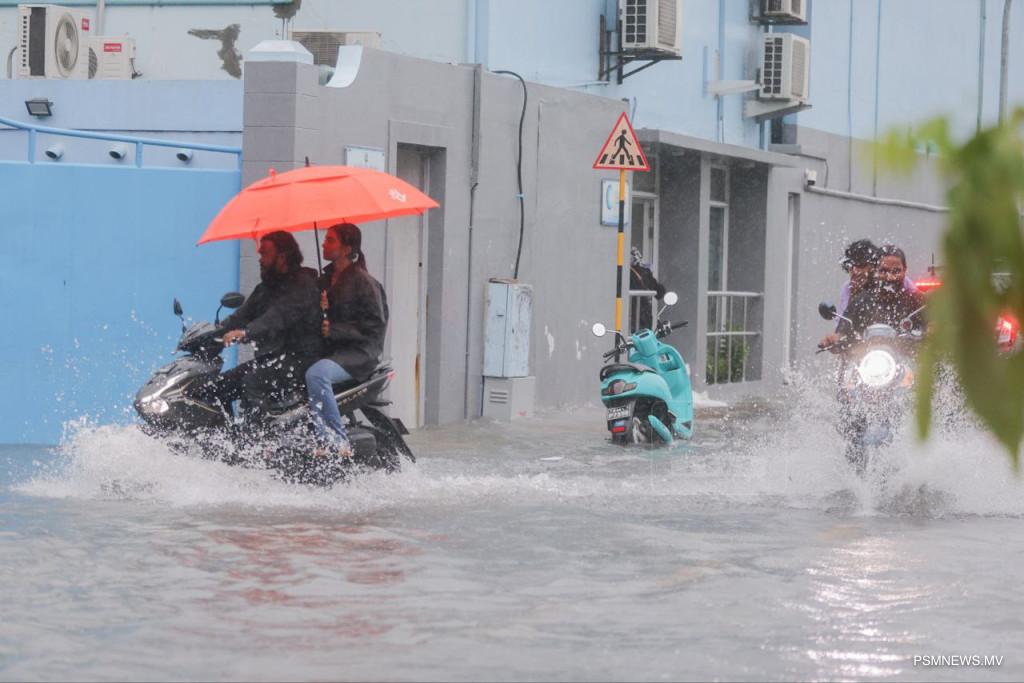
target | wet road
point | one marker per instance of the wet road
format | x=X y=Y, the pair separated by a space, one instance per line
x=518 y=552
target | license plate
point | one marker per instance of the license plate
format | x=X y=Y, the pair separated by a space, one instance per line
x=618 y=413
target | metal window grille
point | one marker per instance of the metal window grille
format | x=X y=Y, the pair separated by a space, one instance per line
x=731 y=336
x=639 y=299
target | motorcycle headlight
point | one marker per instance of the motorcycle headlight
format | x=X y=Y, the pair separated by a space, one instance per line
x=155 y=407
x=877 y=368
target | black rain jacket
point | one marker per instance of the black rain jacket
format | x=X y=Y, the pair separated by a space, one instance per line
x=358 y=312
x=875 y=305
x=282 y=316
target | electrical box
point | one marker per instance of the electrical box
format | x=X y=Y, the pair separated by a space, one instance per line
x=112 y=57
x=508 y=398
x=507 y=328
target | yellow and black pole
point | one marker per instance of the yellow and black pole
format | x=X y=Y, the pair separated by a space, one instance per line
x=618 y=268
x=621 y=152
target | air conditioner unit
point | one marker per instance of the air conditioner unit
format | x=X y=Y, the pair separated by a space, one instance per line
x=53 y=42
x=650 y=25
x=785 y=67
x=324 y=44
x=786 y=10
x=112 y=57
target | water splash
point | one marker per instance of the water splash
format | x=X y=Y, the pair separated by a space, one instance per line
x=787 y=455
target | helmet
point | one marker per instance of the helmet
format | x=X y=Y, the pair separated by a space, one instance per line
x=636 y=256
x=859 y=253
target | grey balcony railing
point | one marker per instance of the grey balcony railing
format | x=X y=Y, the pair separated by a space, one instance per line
x=733 y=336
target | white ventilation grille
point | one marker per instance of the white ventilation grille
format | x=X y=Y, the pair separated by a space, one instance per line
x=799 y=71
x=771 y=72
x=634 y=22
x=785 y=10
x=650 y=25
x=785 y=67
x=667 y=22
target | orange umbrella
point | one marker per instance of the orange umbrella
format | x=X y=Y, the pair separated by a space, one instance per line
x=315 y=195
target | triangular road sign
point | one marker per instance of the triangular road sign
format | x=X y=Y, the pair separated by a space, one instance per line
x=622 y=150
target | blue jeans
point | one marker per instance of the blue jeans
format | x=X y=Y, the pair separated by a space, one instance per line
x=324 y=409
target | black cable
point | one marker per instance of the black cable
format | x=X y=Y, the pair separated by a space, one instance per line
x=519 y=170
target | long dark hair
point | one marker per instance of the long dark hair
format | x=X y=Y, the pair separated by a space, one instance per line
x=350 y=235
x=286 y=244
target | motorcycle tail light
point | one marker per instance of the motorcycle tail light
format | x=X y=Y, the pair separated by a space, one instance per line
x=1006 y=330
x=927 y=285
x=618 y=429
x=618 y=387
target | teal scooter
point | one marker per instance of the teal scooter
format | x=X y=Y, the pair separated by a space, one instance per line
x=649 y=399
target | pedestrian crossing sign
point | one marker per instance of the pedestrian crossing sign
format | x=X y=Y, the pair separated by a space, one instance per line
x=622 y=150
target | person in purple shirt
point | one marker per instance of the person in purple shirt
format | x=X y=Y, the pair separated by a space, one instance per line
x=859 y=260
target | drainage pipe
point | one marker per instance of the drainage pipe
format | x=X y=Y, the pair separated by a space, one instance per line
x=1004 y=59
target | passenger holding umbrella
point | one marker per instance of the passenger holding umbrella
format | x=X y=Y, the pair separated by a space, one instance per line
x=352 y=303
x=353 y=329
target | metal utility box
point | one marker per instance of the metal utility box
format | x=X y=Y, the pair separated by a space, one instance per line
x=508 y=398
x=507 y=328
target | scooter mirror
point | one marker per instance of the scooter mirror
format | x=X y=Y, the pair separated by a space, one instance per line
x=670 y=299
x=177 y=308
x=232 y=300
x=826 y=311
x=598 y=329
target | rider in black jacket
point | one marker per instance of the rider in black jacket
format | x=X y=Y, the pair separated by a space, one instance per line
x=885 y=299
x=281 y=319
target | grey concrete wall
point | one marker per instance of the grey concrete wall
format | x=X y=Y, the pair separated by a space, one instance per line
x=567 y=256
x=681 y=265
x=828 y=224
x=747 y=242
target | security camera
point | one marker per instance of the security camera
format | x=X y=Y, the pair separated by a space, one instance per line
x=810 y=177
x=184 y=155
x=55 y=152
x=118 y=152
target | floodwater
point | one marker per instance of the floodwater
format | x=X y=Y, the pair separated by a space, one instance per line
x=519 y=552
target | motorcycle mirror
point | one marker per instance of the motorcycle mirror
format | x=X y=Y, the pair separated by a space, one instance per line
x=232 y=300
x=671 y=298
x=826 y=311
x=177 y=308
x=599 y=330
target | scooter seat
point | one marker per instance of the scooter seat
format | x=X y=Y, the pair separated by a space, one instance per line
x=611 y=369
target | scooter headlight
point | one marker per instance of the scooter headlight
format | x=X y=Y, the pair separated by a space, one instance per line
x=877 y=368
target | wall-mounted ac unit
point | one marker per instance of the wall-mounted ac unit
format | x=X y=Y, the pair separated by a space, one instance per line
x=53 y=42
x=650 y=25
x=785 y=67
x=112 y=57
x=324 y=44
x=784 y=10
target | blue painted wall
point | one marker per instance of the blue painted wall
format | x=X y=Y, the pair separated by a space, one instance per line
x=92 y=257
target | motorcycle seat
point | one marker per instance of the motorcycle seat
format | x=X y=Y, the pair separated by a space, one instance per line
x=612 y=368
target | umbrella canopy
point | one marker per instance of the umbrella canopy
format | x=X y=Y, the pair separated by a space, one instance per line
x=315 y=196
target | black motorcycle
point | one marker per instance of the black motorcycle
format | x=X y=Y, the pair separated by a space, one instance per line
x=179 y=404
x=876 y=383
